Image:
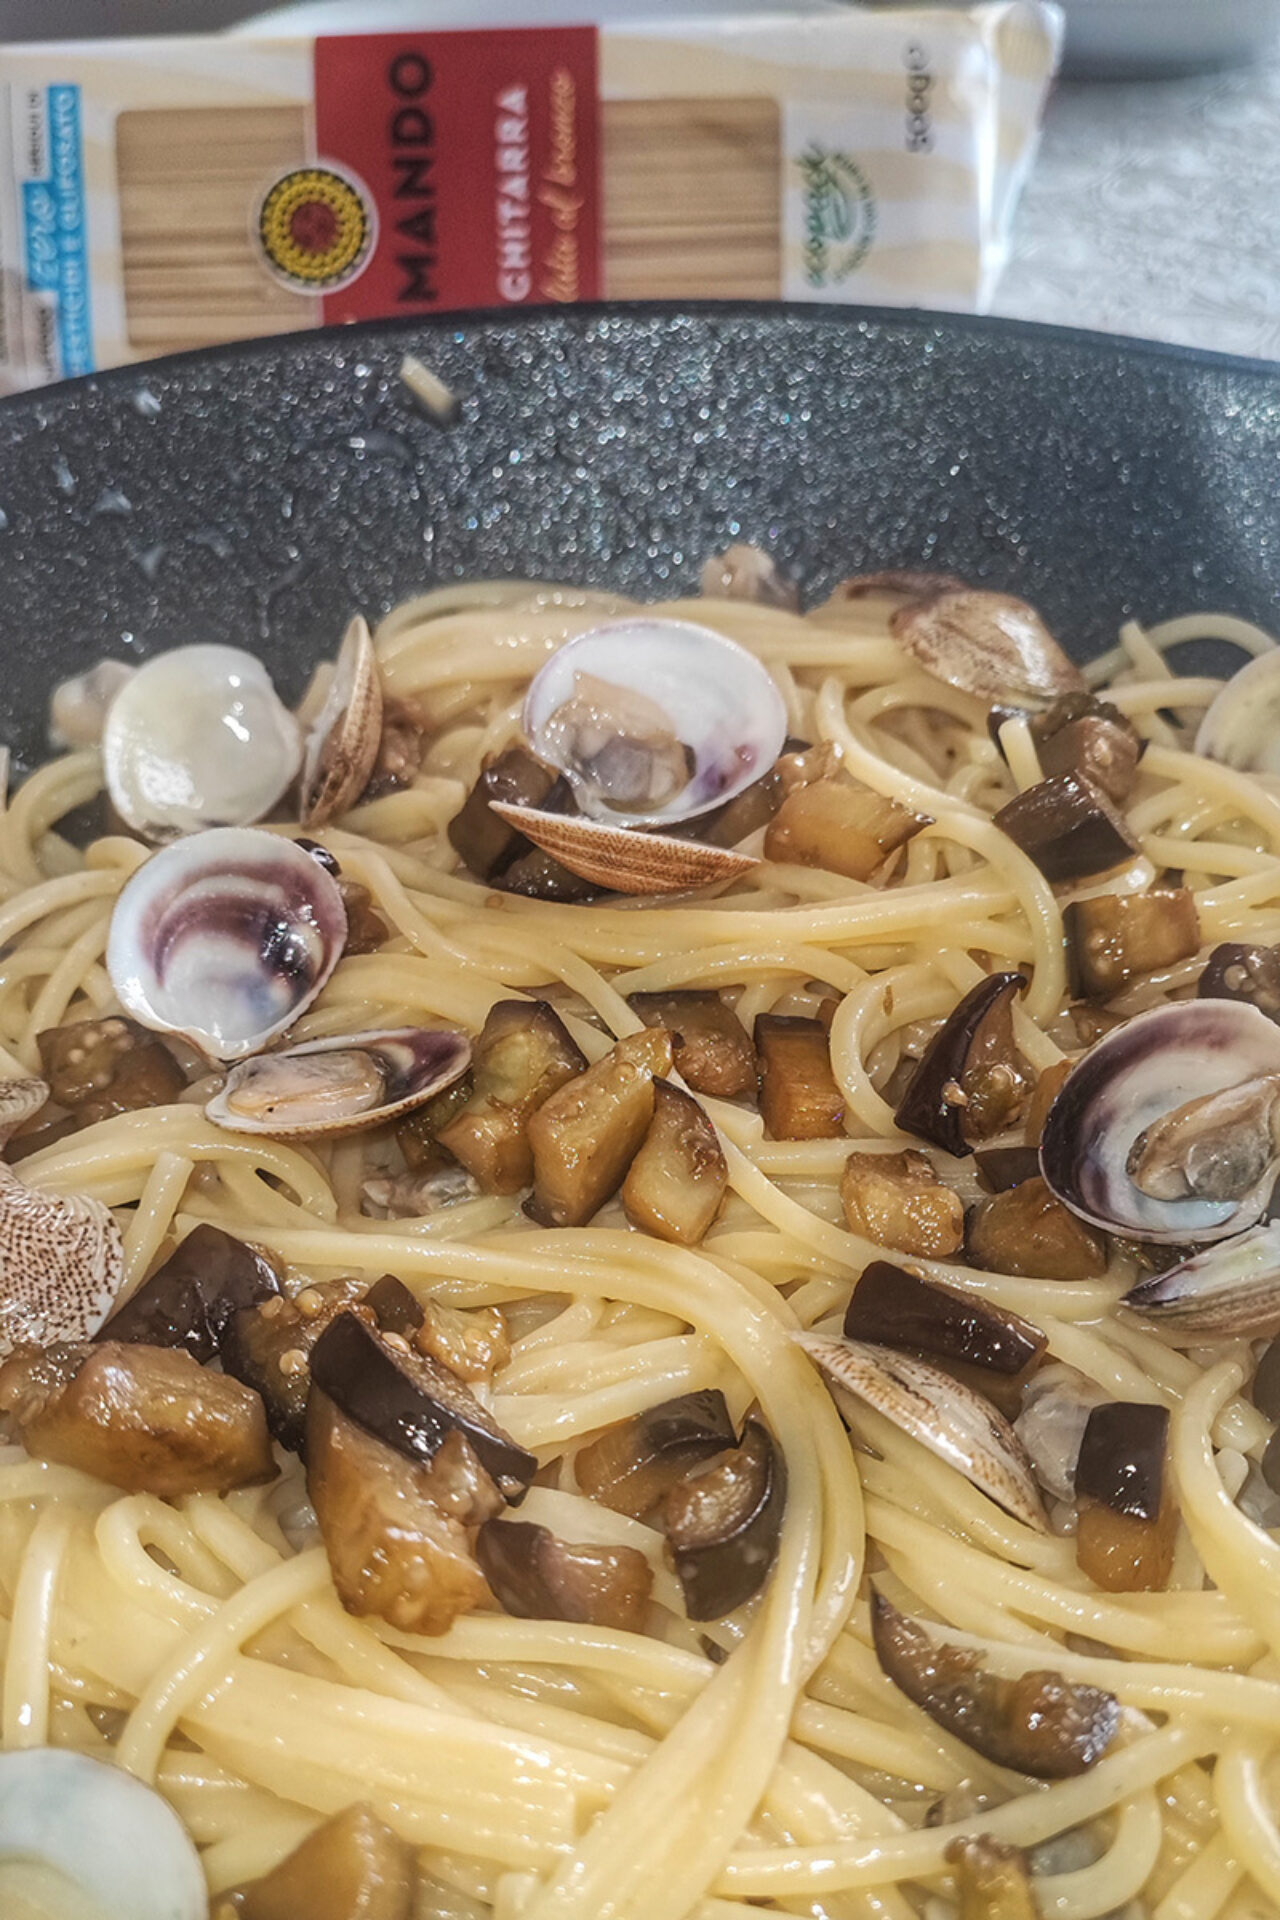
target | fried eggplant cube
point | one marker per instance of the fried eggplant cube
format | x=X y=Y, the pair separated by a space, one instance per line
x=585 y=1136
x=268 y=1348
x=677 y=1181
x=523 y=1056
x=353 y=1867
x=714 y=1053
x=799 y=1098
x=840 y=826
x=1028 y=1231
x=1115 y=938
x=898 y=1201
x=147 y=1419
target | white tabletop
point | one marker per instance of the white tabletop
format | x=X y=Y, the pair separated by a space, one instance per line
x=1154 y=209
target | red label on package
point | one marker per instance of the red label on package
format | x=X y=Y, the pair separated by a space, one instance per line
x=452 y=170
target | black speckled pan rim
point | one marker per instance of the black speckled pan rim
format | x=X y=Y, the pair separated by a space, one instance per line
x=262 y=491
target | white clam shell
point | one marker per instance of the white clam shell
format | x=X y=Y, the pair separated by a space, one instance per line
x=225 y=937
x=198 y=737
x=285 y=1094
x=61 y=1256
x=624 y=859
x=720 y=702
x=1135 y=1075
x=108 y=1844
x=1228 y=1289
x=951 y=1420
x=343 y=744
x=1242 y=726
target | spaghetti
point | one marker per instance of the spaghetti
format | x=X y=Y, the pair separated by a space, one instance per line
x=547 y=1770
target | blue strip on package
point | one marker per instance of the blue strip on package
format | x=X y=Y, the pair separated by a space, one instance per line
x=57 y=260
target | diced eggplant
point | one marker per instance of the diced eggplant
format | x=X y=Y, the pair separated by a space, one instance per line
x=841 y=826
x=524 y=1054
x=677 y=1181
x=1047 y=1089
x=394 y=1307
x=1028 y=1231
x=993 y=1880
x=410 y=1401
x=1039 y=1724
x=999 y=1168
x=1266 y=1381
x=479 y=836
x=1114 y=938
x=353 y=1867
x=632 y=1467
x=895 y=1308
x=714 y=1053
x=897 y=1200
x=536 y=1576
x=189 y=1299
x=1127 y=1522
x=147 y=1419
x=470 y=1341
x=587 y=1134
x=722 y=1524
x=269 y=1347
x=98 y=1068
x=1068 y=828
x=366 y=928
x=405 y=727
x=746 y=813
x=397 y=1531
x=538 y=875
x=972 y=1081
x=799 y=1097
x=1088 y=737
x=1237 y=972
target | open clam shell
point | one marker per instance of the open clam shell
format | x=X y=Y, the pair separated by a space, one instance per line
x=342 y=746
x=987 y=644
x=1242 y=726
x=1229 y=1289
x=225 y=937
x=61 y=1255
x=623 y=859
x=341 y=1085
x=653 y=721
x=951 y=1420
x=196 y=738
x=1133 y=1078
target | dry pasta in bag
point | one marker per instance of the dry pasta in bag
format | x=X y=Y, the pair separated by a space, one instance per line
x=157 y=195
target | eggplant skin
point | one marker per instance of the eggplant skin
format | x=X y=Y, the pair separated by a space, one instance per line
x=937 y=1105
x=267 y=1347
x=1039 y=1724
x=146 y=1419
x=723 y=1525
x=189 y=1301
x=397 y=1532
x=353 y=1867
x=536 y=1576
x=632 y=1467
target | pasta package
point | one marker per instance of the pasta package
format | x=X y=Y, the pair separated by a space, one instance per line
x=158 y=195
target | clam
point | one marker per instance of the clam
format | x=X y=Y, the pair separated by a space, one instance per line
x=198 y=737
x=987 y=644
x=951 y=1420
x=654 y=721
x=744 y=572
x=342 y=746
x=78 y=708
x=61 y=1256
x=621 y=859
x=1228 y=1289
x=651 y=722
x=341 y=1085
x=225 y=937
x=1167 y=1129
x=1242 y=726
x=95 y=1840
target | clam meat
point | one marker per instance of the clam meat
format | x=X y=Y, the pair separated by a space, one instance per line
x=198 y=737
x=225 y=937
x=341 y=1085
x=1169 y=1128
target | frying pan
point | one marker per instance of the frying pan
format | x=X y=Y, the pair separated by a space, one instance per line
x=261 y=493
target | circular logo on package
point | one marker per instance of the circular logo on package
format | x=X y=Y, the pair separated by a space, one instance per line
x=316 y=227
